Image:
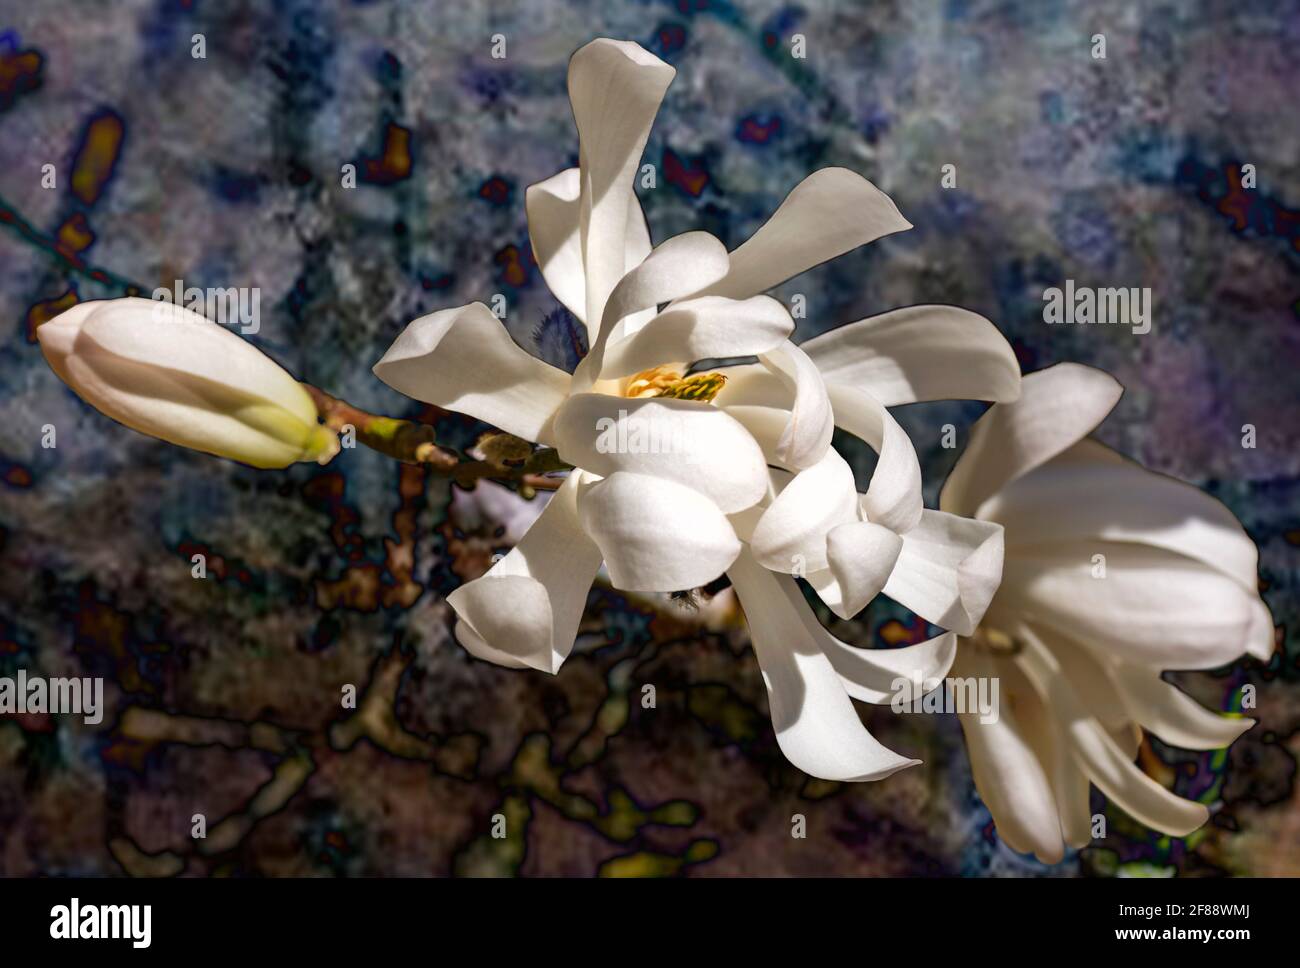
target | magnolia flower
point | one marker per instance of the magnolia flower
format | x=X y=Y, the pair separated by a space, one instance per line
x=851 y=546
x=170 y=373
x=1112 y=574
x=677 y=509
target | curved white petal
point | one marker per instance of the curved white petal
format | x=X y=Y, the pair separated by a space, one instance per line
x=615 y=88
x=525 y=611
x=1091 y=677
x=829 y=213
x=948 y=570
x=1098 y=754
x=1073 y=792
x=170 y=373
x=807 y=435
x=1008 y=773
x=816 y=725
x=1140 y=796
x=1091 y=493
x=510 y=611
x=893 y=497
x=1174 y=716
x=710 y=327
x=463 y=359
x=671 y=270
x=656 y=535
x=679 y=440
x=920 y=353
x=1058 y=407
x=760 y=400
x=555 y=231
x=1152 y=607
x=827 y=587
x=790 y=537
x=871 y=675
x=783 y=390
x=757 y=397
x=1047 y=737
x=861 y=556
x=1261 y=639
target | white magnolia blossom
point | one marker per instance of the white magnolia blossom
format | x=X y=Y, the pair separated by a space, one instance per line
x=680 y=477
x=170 y=373
x=675 y=518
x=853 y=546
x=1113 y=573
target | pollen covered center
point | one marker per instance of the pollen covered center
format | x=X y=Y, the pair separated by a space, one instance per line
x=666 y=381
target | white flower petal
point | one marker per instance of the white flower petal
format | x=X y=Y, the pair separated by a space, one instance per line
x=1047 y=737
x=1091 y=678
x=1073 y=792
x=816 y=725
x=510 y=611
x=1090 y=493
x=1058 y=407
x=525 y=611
x=1261 y=639
x=1152 y=607
x=463 y=359
x=615 y=88
x=861 y=556
x=1174 y=716
x=760 y=400
x=807 y=436
x=920 y=353
x=656 y=535
x=701 y=329
x=1098 y=754
x=893 y=497
x=1119 y=778
x=825 y=584
x=672 y=269
x=1008 y=773
x=679 y=440
x=871 y=675
x=790 y=537
x=948 y=570
x=829 y=213
x=555 y=230
x=170 y=373
x=786 y=383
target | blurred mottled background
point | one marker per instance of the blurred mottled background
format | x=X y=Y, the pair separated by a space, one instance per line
x=224 y=694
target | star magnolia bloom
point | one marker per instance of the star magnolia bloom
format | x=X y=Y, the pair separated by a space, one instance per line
x=170 y=373
x=666 y=519
x=852 y=546
x=1079 y=651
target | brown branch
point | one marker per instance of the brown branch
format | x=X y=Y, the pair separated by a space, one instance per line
x=416 y=443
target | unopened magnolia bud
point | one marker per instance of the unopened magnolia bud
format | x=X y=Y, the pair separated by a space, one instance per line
x=169 y=373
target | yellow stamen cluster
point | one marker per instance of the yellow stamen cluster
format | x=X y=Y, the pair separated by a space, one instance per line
x=702 y=387
x=664 y=381
x=651 y=382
